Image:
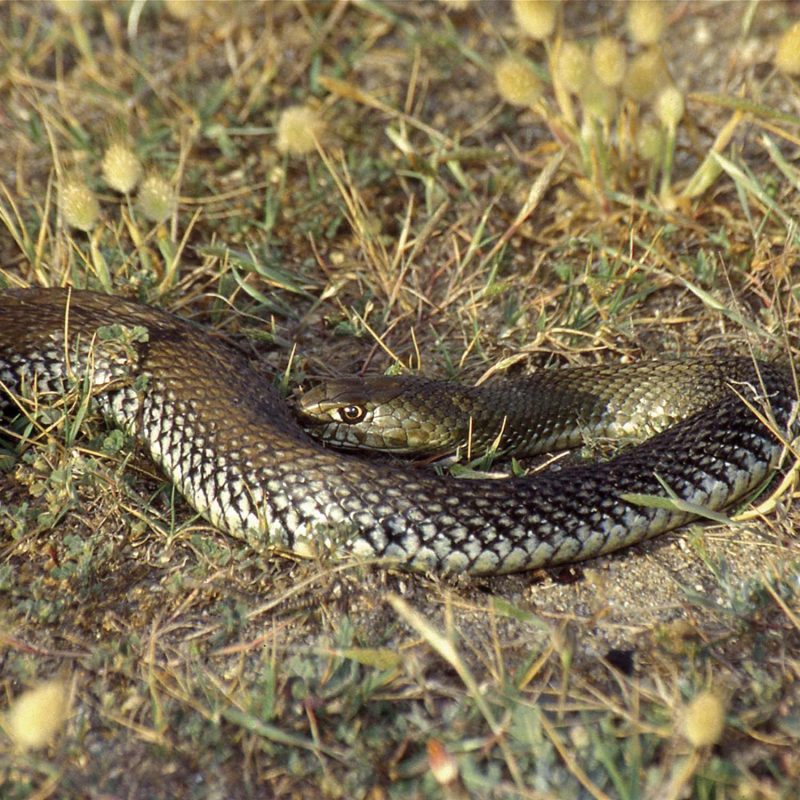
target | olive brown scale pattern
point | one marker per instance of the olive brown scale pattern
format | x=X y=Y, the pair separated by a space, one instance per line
x=551 y=410
x=227 y=440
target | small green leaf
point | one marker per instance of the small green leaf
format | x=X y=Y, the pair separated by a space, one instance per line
x=378 y=657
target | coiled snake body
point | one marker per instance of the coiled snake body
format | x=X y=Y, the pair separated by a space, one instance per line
x=228 y=441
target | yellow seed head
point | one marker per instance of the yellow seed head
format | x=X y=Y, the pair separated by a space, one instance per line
x=579 y=737
x=183 y=10
x=704 y=719
x=646 y=21
x=787 y=56
x=156 y=199
x=37 y=715
x=69 y=8
x=537 y=18
x=121 y=168
x=609 y=60
x=78 y=205
x=299 y=129
x=669 y=107
x=650 y=142
x=573 y=66
x=598 y=100
x=646 y=74
x=517 y=82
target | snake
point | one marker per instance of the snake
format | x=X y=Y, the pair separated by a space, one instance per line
x=221 y=432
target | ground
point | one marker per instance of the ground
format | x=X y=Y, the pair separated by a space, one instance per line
x=435 y=227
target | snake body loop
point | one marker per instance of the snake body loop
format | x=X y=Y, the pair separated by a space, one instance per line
x=228 y=441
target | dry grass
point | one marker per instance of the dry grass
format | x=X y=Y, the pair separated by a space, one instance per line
x=439 y=229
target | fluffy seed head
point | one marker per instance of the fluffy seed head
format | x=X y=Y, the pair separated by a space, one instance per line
x=646 y=74
x=183 y=10
x=537 y=18
x=787 y=56
x=156 y=199
x=650 y=142
x=121 y=168
x=299 y=129
x=517 y=82
x=646 y=21
x=37 y=715
x=69 y=8
x=669 y=107
x=704 y=719
x=573 y=66
x=609 y=60
x=78 y=205
x=598 y=100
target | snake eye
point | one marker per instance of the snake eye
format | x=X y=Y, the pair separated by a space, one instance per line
x=351 y=414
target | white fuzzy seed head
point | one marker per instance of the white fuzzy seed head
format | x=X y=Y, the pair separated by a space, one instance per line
x=669 y=107
x=184 y=10
x=156 y=199
x=787 y=56
x=78 y=205
x=573 y=66
x=647 y=73
x=609 y=60
x=69 y=8
x=704 y=719
x=516 y=82
x=646 y=21
x=650 y=142
x=536 y=18
x=37 y=715
x=299 y=129
x=598 y=100
x=122 y=169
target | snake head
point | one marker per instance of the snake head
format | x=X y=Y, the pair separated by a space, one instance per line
x=388 y=414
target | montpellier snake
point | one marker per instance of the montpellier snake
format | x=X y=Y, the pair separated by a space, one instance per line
x=229 y=442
